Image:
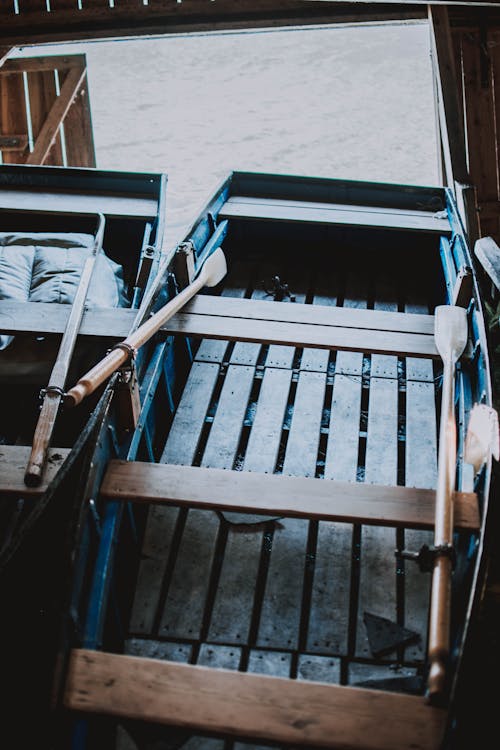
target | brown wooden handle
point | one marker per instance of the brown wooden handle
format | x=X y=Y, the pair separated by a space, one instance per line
x=439 y=628
x=41 y=439
x=94 y=377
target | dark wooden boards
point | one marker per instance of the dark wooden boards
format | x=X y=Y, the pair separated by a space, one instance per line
x=301 y=497
x=257 y=706
x=270 y=209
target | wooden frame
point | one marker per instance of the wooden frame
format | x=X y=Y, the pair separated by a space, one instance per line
x=57 y=120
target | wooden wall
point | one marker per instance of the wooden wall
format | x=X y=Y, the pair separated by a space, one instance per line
x=45 y=112
x=466 y=60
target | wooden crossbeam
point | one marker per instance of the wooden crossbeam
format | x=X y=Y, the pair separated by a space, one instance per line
x=273 y=209
x=248 y=320
x=273 y=494
x=302 y=713
x=13 y=460
x=39 y=64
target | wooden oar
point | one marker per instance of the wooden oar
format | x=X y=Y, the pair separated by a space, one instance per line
x=212 y=272
x=55 y=389
x=450 y=334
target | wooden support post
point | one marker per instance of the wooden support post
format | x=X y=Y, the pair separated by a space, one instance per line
x=450 y=110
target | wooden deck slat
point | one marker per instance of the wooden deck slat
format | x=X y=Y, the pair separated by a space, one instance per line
x=301 y=497
x=420 y=471
x=256 y=706
x=39 y=317
x=281 y=607
x=324 y=213
x=377 y=583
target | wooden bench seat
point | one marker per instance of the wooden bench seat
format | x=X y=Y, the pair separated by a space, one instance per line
x=314 y=326
x=219 y=701
x=273 y=209
x=273 y=494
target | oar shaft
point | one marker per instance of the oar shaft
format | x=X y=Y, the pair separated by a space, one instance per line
x=55 y=389
x=88 y=383
x=439 y=621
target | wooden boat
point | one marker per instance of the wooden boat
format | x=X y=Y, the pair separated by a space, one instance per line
x=296 y=557
x=61 y=228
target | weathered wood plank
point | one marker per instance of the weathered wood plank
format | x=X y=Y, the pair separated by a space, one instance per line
x=281 y=606
x=47 y=318
x=275 y=709
x=377 y=584
x=232 y=611
x=305 y=212
x=301 y=497
x=184 y=435
x=222 y=444
x=12 y=113
x=235 y=285
x=53 y=202
x=420 y=471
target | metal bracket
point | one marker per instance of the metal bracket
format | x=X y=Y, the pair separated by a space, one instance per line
x=427 y=555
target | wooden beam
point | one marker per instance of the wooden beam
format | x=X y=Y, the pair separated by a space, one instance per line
x=84 y=204
x=248 y=320
x=277 y=494
x=41 y=64
x=450 y=110
x=300 y=713
x=13 y=460
x=56 y=116
x=5 y=51
x=326 y=213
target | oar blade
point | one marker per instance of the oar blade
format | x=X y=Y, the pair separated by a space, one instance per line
x=450 y=331
x=215 y=268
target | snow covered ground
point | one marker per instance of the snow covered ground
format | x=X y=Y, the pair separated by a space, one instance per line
x=353 y=102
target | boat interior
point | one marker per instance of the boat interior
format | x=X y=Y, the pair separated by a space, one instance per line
x=275 y=514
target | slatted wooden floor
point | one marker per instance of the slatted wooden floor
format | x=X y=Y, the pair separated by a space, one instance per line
x=288 y=597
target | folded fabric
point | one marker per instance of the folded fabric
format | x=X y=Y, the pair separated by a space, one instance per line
x=46 y=267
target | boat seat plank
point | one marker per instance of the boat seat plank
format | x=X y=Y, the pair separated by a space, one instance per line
x=281 y=606
x=238 y=704
x=46 y=318
x=82 y=204
x=377 y=581
x=276 y=494
x=13 y=462
x=274 y=209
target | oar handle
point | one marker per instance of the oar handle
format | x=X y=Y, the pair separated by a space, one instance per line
x=117 y=356
x=42 y=438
